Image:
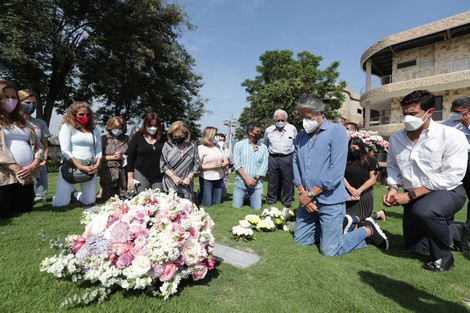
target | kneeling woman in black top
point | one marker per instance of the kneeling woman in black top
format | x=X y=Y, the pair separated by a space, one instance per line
x=145 y=150
x=360 y=176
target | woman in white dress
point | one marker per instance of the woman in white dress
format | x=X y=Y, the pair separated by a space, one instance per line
x=21 y=152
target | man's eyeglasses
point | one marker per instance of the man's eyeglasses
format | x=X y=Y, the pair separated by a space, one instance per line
x=83 y=114
x=280 y=120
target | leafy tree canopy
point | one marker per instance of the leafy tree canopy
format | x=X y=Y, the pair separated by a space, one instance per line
x=282 y=80
x=121 y=55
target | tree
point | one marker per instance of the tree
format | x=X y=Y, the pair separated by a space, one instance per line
x=123 y=55
x=282 y=80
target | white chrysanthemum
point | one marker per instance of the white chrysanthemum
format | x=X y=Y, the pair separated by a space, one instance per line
x=252 y=218
x=266 y=224
x=242 y=231
x=244 y=223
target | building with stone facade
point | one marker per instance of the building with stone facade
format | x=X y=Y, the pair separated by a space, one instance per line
x=435 y=57
x=351 y=108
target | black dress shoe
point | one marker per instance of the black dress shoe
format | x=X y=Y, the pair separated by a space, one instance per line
x=462 y=244
x=440 y=265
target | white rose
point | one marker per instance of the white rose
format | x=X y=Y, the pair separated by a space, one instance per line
x=98 y=224
x=140 y=265
x=192 y=251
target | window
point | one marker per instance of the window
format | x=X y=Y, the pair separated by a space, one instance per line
x=437 y=116
x=406 y=64
x=460 y=65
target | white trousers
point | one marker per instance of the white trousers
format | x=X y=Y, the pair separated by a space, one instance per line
x=64 y=190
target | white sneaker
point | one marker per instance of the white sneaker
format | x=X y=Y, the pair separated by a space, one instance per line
x=378 y=237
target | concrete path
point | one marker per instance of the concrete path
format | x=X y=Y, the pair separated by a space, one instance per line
x=235 y=257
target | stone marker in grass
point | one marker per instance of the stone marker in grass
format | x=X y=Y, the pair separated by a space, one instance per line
x=235 y=257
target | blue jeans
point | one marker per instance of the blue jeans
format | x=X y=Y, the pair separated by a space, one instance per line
x=40 y=185
x=211 y=192
x=239 y=191
x=326 y=227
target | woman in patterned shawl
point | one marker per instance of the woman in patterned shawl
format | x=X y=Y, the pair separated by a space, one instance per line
x=179 y=161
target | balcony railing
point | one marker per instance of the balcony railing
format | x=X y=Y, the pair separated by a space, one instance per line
x=405 y=75
x=386 y=119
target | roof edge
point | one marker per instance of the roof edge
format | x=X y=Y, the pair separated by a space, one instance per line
x=417 y=32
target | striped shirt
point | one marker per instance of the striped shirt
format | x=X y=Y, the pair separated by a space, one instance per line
x=253 y=161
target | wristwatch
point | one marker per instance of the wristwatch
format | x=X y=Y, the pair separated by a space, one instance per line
x=310 y=194
x=412 y=195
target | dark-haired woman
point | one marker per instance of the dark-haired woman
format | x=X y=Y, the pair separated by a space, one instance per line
x=360 y=176
x=80 y=143
x=21 y=152
x=145 y=150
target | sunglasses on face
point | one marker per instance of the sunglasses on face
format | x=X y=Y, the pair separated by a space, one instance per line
x=280 y=120
x=83 y=114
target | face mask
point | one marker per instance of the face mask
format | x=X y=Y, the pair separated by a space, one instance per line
x=413 y=122
x=280 y=124
x=216 y=139
x=221 y=144
x=9 y=104
x=257 y=136
x=116 y=132
x=178 y=140
x=28 y=108
x=152 y=130
x=309 y=125
x=455 y=116
x=354 y=154
x=82 y=120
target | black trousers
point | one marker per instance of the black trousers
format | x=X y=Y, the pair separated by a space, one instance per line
x=15 y=199
x=427 y=222
x=280 y=177
x=466 y=185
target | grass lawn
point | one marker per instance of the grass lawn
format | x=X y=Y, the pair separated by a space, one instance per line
x=288 y=278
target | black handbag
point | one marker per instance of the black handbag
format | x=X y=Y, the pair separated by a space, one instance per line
x=72 y=174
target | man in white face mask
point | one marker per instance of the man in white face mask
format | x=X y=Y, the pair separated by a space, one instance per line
x=320 y=154
x=279 y=138
x=460 y=119
x=428 y=160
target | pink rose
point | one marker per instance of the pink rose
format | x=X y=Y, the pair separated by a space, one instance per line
x=199 y=271
x=210 y=262
x=118 y=213
x=78 y=244
x=140 y=241
x=168 y=272
x=193 y=233
x=141 y=215
x=111 y=221
x=121 y=247
x=112 y=258
x=124 y=260
x=180 y=217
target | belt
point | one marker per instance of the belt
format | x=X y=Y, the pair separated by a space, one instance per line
x=279 y=155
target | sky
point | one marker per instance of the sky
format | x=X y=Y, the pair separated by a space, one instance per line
x=231 y=35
